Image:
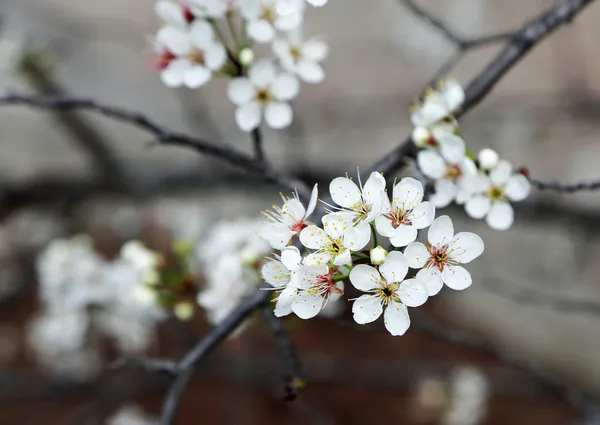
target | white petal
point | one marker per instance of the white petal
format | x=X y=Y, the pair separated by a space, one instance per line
x=170 y=13
x=422 y=216
x=417 y=255
x=395 y=267
x=317 y=259
x=285 y=87
x=336 y=224
x=174 y=74
x=215 y=56
x=366 y=309
x=314 y=237
x=456 y=277
x=317 y=3
x=432 y=278
x=413 y=293
x=201 y=33
x=453 y=94
x=364 y=278
x=176 y=40
x=313 y=201
x=478 y=206
x=248 y=116
x=278 y=114
x=315 y=50
x=428 y=114
x=396 y=318
x=197 y=76
x=260 y=31
x=403 y=235
x=306 y=276
x=344 y=192
x=240 y=91
x=517 y=188
x=408 y=193
x=276 y=235
x=262 y=73
x=445 y=193
x=289 y=22
x=343 y=258
x=310 y=71
x=501 y=173
x=294 y=208
x=357 y=237
x=452 y=147
x=306 y=305
x=431 y=164
x=384 y=226
x=275 y=273
x=373 y=190
x=283 y=306
x=441 y=231
x=291 y=258
x=466 y=247
x=501 y=216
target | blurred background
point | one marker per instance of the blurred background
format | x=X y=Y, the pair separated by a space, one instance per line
x=536 y=292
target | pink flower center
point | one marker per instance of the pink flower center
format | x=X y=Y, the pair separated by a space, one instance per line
x=188 y=15
x=325 y=285
x=453 y=171
x=438 y=257
x=398 y=217
x=299 y=226
x=164 y=60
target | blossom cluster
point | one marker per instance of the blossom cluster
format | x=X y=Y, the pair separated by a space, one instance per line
x=81 y=291
x=336 y=251
x=201 y=39
x=485 y=184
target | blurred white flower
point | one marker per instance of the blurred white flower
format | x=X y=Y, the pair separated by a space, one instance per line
x=265 y=91
x=213 y=9
x=468 y=398
x=142 y=259
x=174 y=13
x=264 y=18
x=442 y=256
x=302 y=57
x=282 y=224
x=406 y=214
x=494 y=192
x=131 y=415
x=188 y=57
x=488 y=159
x=279 y=273
x=387 y=288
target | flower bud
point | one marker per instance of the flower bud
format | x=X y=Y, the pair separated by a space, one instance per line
x=246 y=56
x=420 y=136
x=184 y=311
x=378 y=255
x=488 y=158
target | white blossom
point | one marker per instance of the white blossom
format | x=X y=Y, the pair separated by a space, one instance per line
x=302 y=57
x=335 y=241
x=488 y=159
x=360 y=205
x=442 y=257
x=131 y=415
x=468 y=398
x=406 y=214
x=265 y=91
x=264 y=19
x=279 y=273
x=285 y=7
x=495 y=192
x=282 y=224
x=387 y=289
x=188 y=56
x=210 y=9
x=453 y=178
x=315 y=287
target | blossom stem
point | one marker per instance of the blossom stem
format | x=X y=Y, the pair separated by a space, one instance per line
x=234 y=35
x=361 y=255
x=233 y=58
x=374 y=235
x=341 y=277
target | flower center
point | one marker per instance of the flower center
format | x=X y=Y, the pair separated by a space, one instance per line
x=188 y=15
x=325 y=285
x=263 y=96
x=495 y=193
x=362 y=210
x=439 y=257
x=197 y=56
x=295 y=53
x=453 y=171
x=268 y=13
x=398 y=217
x=387 y=292
x=298 y=226
x=335 y=246
x=431 y=141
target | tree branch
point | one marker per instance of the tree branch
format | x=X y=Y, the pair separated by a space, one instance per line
x=523 y=40
x=566 y=187
x=295 y=376
x=259 y=153
x=164 y=135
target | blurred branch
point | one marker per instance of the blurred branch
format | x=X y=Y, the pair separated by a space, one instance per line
x=566 y=187
x=462 y=43
x=163 y=134
x=519 y=44
x=288 y=354
x=257 y=142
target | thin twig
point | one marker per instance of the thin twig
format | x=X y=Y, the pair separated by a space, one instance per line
x=257 y=142
x=566 y=187
x=295 y=376
x=164 y=135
